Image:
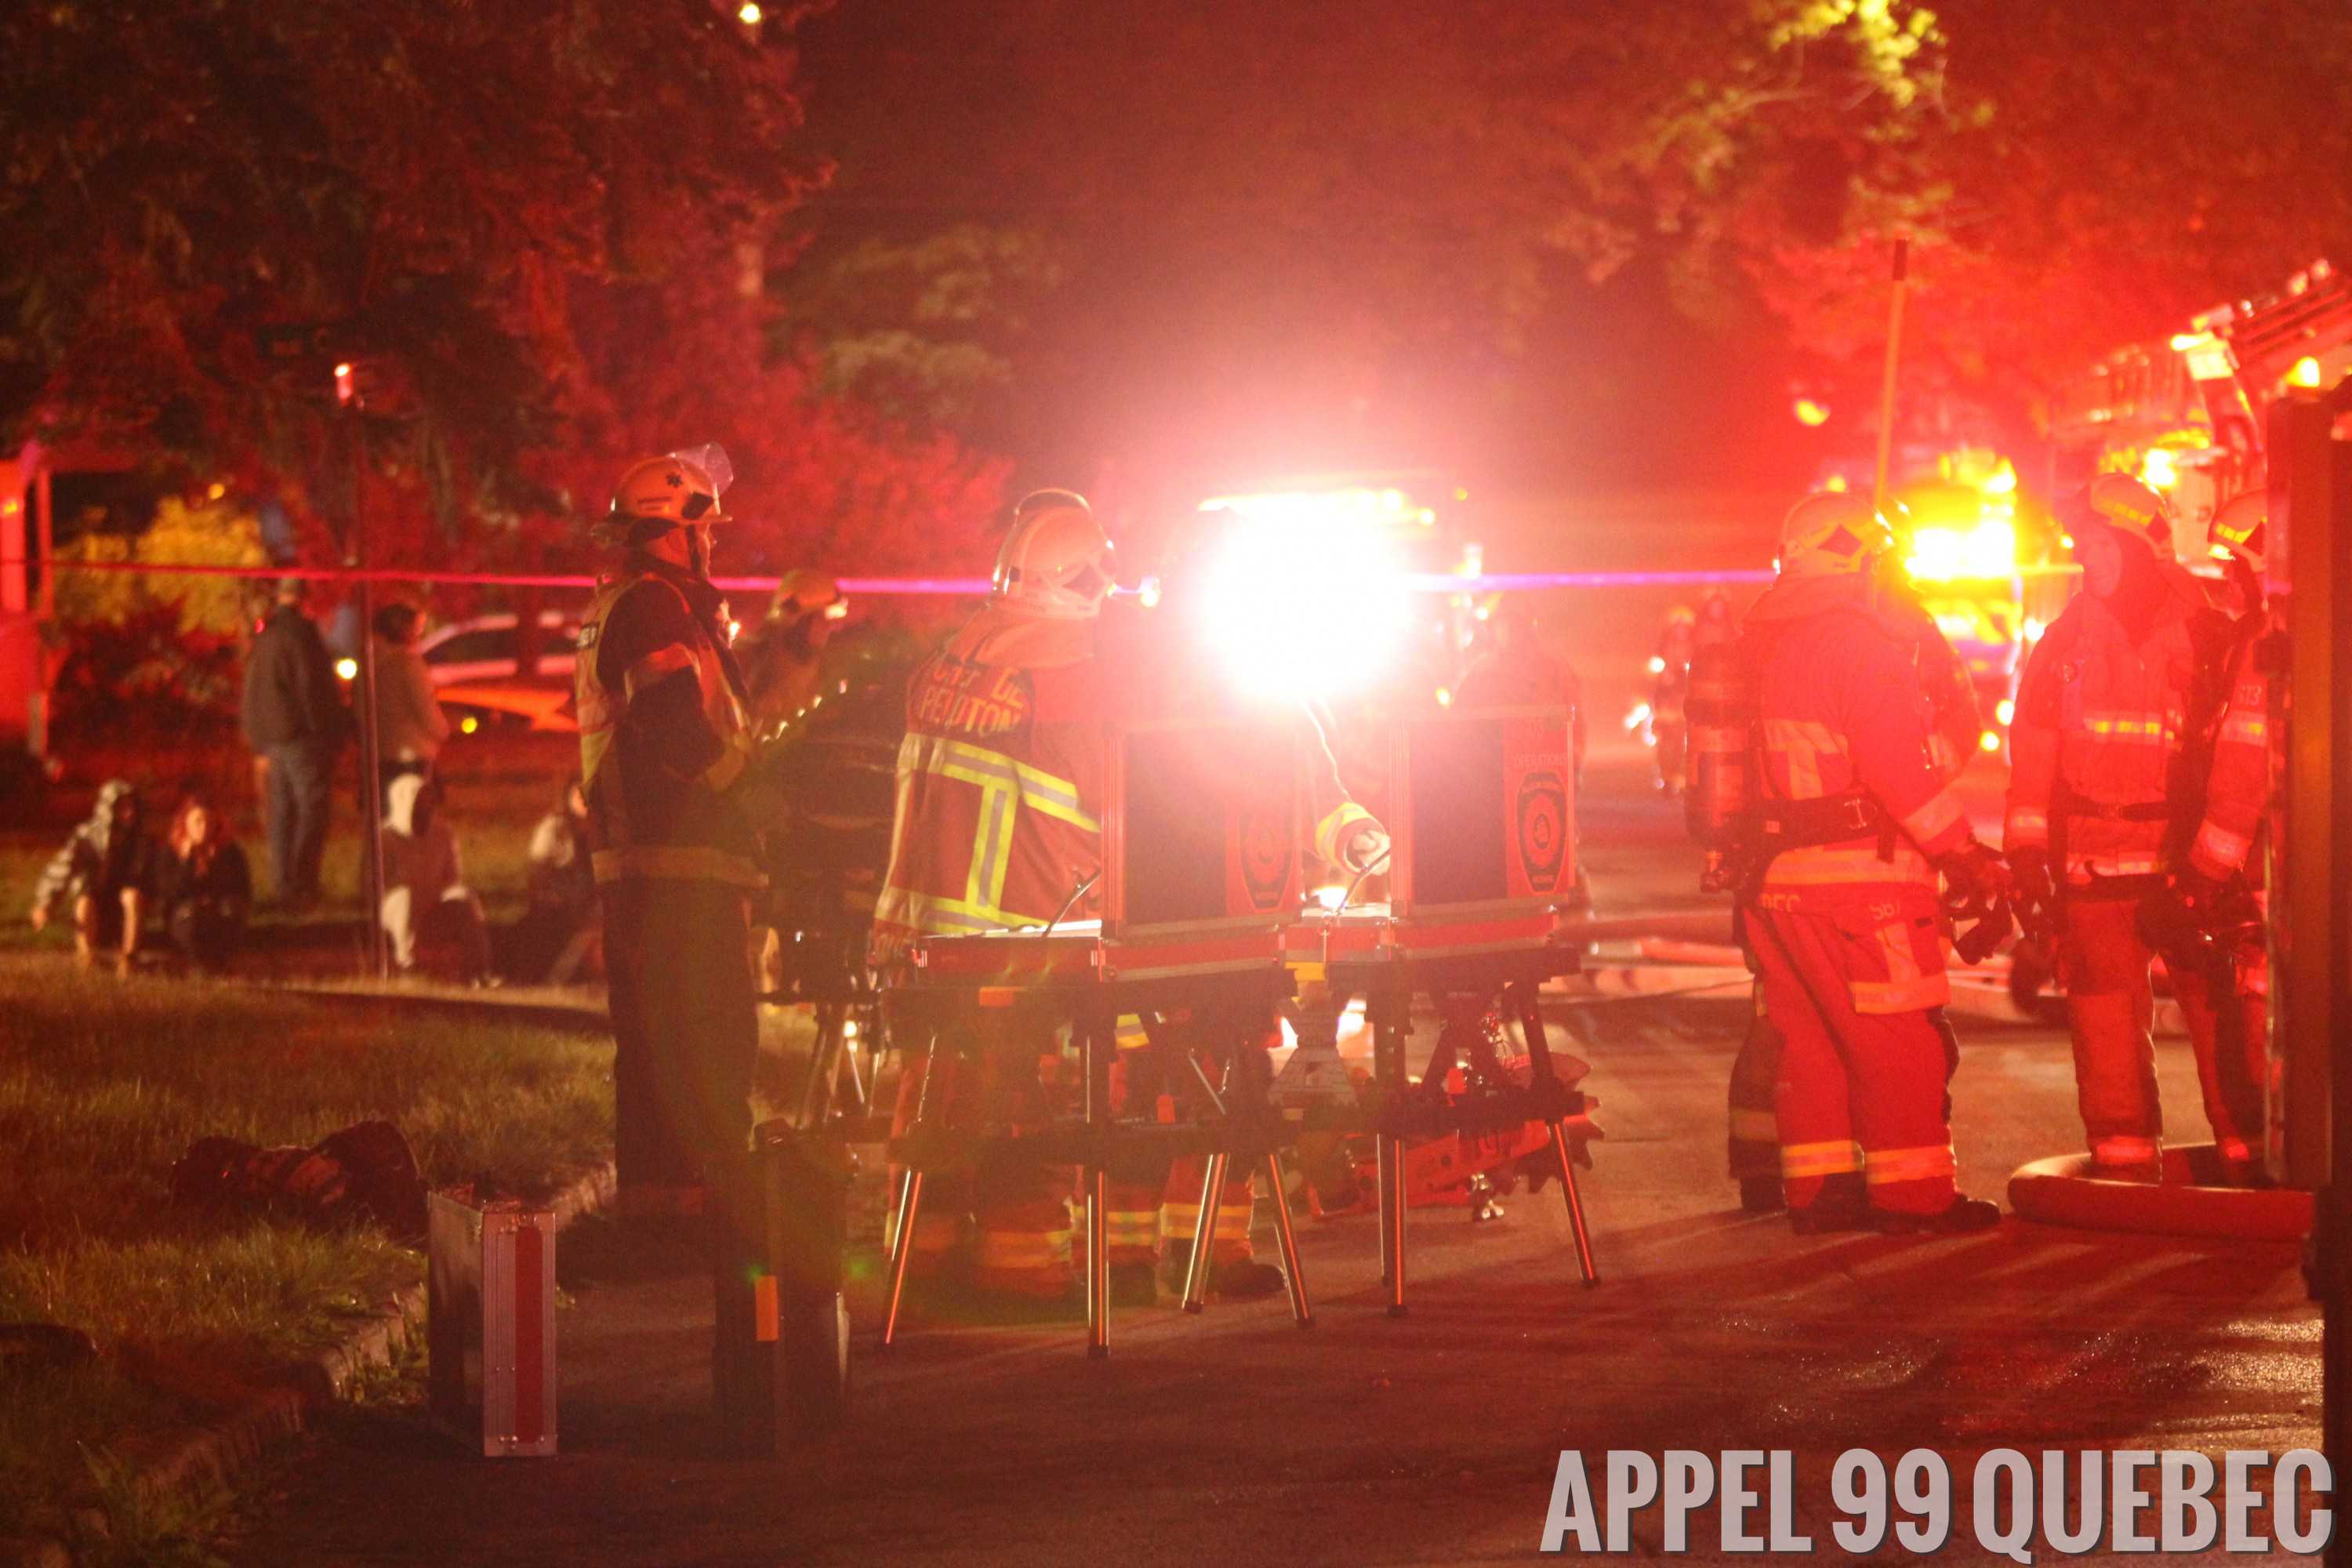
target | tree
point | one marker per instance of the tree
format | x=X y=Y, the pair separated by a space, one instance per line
x=455 y=197
x=1346 y=226
x=1324 y=227
x=2080 y=185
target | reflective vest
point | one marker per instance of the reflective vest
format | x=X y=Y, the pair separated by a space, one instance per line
x=1000 y=777
x=2104 y=728
x=656 y=801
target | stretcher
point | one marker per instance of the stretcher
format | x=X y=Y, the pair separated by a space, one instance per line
x=1204 y=910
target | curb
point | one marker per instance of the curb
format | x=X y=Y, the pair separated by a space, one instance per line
x=209 y=1458
x=576 y=1018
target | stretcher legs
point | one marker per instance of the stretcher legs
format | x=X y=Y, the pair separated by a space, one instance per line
x=910 y=1206
x=1530 y=1011
x=1391 y=1018
x=1301 y=1310
x=1205 y=1233
x=1096 y=1049
x=902 y=1249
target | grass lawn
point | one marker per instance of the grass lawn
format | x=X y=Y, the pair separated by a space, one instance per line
x=104 y=1083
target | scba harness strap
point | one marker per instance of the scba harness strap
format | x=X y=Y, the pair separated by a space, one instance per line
x=1784 y=825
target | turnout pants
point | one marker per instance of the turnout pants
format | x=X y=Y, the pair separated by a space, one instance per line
x=1755 y=1145
x=2109 y=1005
x=686 y=1028
x=1863 y=1084
x=985 y=1073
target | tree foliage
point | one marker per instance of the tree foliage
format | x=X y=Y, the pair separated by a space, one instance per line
x=1320 y=218
x=464 y=198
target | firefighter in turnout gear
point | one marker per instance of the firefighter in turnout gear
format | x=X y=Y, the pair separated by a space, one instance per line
x=782 y=659
x=2108 y=786
x=1721 y=713
x=2221 y=893
x=999 y=827
x=665 y=758
x=1851 y=823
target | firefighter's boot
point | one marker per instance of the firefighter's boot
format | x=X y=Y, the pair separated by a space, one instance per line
x=1840 y=1205
x=1966 y=1216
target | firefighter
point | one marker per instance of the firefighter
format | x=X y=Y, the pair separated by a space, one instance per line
x=1000 y=794
x=1669 y=685
x=1717 y=729
x=2218 y=898
x=1852 y=825
x=2101 y=802
x=783 y=657
x=1717 y=624
x=664 y=755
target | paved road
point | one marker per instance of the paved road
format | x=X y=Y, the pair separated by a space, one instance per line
x=1235 y=1437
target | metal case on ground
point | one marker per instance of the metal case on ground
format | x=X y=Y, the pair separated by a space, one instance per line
x=491 y=1335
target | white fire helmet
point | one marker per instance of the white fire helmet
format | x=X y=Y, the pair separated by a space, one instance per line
x=1055 y=561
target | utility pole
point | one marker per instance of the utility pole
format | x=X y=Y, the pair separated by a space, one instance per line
x=356 y=555
x=1902 y=264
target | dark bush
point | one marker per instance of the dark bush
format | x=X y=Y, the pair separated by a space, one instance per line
x=147 y=679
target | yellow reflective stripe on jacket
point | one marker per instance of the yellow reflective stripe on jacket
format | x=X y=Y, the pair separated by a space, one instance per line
x=729 y=765
x=656 y=666
x=1802 y=743
x=1942 y=809
x=2223 y=847
x=1331 y=833
x=1830 y=1159
x=1928 y=1162
x=2128 y=729
x=2027 y=827
x=593 y=744
x=688 y=861
x=1006 y=785
x=948 y=917
x=2250 y=729
x=1035 y=788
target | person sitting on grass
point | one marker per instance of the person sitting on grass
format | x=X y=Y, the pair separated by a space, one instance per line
x=432 y=917
x=102 y=876
x=204 y=886
x=557 y=940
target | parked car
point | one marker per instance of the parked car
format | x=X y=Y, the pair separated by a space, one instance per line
x=483 y=648
x=473 y=667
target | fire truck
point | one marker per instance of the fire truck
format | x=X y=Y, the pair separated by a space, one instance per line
x=2187 y=414
x=1981 y=556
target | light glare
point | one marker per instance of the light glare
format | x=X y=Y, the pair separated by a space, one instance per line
x=1312 y=608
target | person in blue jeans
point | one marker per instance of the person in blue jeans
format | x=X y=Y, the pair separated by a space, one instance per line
x=294 y=719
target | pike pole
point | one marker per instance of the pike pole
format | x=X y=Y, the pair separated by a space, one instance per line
x=1886 y=380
